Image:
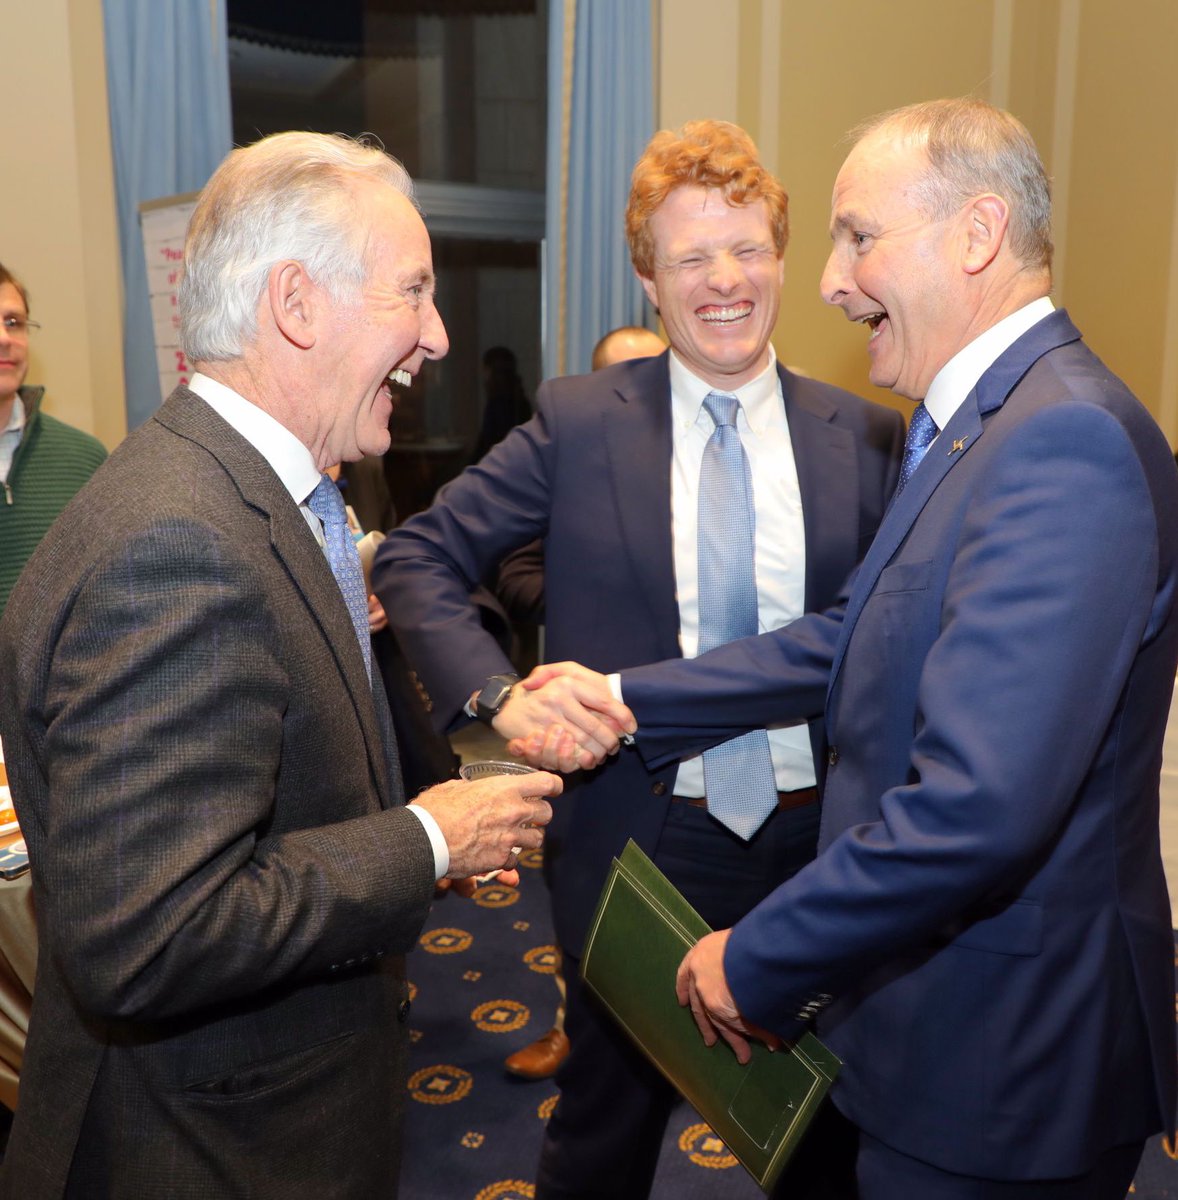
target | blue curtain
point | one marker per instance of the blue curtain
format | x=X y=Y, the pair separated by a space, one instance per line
x=167 y=69
x=600 y=117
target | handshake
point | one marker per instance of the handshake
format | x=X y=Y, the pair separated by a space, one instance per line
x=563 y=717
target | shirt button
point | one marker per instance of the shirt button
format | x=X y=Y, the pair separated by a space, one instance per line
x=403 y=1011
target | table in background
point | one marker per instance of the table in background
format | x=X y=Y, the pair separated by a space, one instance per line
x=18 y=959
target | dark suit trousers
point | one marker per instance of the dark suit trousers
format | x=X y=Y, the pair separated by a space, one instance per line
x=885 y=1174
x=604 y=1136
x=840 y=1162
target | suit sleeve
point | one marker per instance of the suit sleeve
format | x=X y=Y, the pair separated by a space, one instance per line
x=1043 y=615
x=166 y=719
x=519 y=583
x=686 y=705
x=425 y=570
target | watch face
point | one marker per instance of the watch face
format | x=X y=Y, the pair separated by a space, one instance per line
x=493 y=696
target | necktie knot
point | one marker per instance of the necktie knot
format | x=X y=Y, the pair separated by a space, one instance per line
x=922 y=429
x=327 y=503
x=722 y=408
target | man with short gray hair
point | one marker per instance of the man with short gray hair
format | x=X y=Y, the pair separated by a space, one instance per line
x=225 y=873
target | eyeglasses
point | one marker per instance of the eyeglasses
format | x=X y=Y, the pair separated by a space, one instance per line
x=18 y=326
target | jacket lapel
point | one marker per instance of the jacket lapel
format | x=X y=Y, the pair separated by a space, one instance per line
x=636 y=429
x=188 y=416
x=960 y=435
x=824 y=454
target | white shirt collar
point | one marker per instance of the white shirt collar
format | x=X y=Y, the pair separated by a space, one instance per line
x=16 y=418
x=758 y=397
x=291 y=460
x=958 y=377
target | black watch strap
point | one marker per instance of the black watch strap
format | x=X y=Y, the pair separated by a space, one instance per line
x=493 y=696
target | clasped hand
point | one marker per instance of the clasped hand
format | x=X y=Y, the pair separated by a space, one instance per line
x=562 y=717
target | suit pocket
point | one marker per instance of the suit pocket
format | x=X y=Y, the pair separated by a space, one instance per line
x=903 y=577
x=261 y=1078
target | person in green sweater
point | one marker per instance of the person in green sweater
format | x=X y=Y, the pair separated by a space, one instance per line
x=43 y=461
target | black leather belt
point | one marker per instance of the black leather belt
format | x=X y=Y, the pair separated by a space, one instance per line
x=785 y=800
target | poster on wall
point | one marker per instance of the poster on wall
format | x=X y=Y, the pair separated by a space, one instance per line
x=163 y=223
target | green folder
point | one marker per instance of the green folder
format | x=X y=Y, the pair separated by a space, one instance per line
x=642 y=930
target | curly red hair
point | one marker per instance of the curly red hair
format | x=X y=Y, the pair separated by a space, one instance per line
x=708 y=154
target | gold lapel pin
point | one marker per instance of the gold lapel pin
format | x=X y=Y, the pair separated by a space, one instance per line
x=958 y=445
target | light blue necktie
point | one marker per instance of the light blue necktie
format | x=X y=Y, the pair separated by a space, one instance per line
x=328 y=505
x=738 y=775
x=921 y=431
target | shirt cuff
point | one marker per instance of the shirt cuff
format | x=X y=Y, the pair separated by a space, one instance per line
x=614 y=683
x=436 y=839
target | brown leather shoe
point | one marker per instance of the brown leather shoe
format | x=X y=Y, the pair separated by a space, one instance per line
x=541 y=1058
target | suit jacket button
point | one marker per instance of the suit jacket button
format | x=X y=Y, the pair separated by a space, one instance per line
x=403 y=1011
x=832 y=756
x=658 y=789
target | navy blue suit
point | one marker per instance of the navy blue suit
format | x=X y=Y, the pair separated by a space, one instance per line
x=988 y=909
x=591 y=475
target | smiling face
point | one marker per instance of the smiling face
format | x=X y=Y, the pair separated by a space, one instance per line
x=387 y=335
x=893 y=268
x=14 y=349
x=717 y=283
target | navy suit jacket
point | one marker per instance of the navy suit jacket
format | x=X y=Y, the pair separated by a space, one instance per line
x=988 y=909
x=591 y=475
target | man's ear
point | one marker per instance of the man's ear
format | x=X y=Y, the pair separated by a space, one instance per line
x=987 y=218
x=292 y=300
x=649 y=288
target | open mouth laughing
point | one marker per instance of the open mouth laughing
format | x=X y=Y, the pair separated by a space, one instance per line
x=730 y=315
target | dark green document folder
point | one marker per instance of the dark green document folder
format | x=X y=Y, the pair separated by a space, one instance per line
x=641 y=932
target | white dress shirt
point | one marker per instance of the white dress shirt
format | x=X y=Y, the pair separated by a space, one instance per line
x=293 y=464
x=780 y=536
x=959 y=376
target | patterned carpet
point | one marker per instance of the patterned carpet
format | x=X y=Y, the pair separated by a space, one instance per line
x=482 y=980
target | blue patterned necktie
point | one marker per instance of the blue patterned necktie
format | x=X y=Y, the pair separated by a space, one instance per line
x=921 y=431
x=738 y=775
x=328 y=505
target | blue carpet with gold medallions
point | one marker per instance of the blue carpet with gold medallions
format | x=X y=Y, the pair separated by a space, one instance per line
x=482 y=987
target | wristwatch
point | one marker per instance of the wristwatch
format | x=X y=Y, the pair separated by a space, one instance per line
x=494 y=695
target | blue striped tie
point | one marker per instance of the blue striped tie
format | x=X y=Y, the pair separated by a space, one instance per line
x=328 y=505
x=738 y=775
